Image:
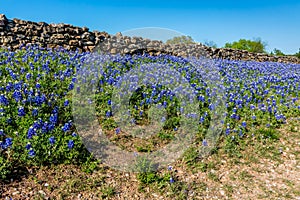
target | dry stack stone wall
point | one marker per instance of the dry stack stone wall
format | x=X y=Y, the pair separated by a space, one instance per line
x=16 y=32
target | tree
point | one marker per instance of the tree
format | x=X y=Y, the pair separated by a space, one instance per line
x=277 y=52
x=256 y=46
x=298 y=54
x=181 y=40
x=210 y=44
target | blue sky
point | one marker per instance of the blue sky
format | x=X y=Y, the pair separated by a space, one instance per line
x=275 y=22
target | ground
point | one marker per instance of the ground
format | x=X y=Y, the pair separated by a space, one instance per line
x=261 y=169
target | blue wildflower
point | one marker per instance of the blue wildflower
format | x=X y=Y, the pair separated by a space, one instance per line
x=31 y=132
x=244 y=124
x=70 y=144
x=172 y=180
x=8 y=142
x=118 y=130
x=21 y=111
x=35 y=112
x=52 y=140
x=31 y=153
x=28 y=146
x=66 y=103
x=66 y=127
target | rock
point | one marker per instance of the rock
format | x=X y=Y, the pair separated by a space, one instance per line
x=119 y=35
x=88 y=43
x=73 y=42
x=113 y=51
x=3 y=20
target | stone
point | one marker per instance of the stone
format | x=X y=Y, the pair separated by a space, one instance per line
x=73 y=42
x=119 y=35
x=88 y=43
x=3 y=20
x=113 y=51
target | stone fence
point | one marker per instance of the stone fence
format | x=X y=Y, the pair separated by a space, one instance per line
x=16 y=32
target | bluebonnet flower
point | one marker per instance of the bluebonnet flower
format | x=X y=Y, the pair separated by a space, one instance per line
x=31 y=153
x=241 y=133
x=17 y=95
x=244 y=124
x=8 y=142
x=227 y=132
x=109 y=102
x=51 y=127
x=36 y=125
x=70 y=144
x=170 y=168
x=9 y=120
x=28 y=146
x=2 y=132
x=21 y=111
x=45 y=127
x=38 y=85
x=35 y=112
x=52 y=140
x=201 y=119
x=28 y=76
x=3 y=100
x=165 y=104
x=66 y=127
x=118 y=130
x=201 y=98
x=108 y=114
x=66 y=103
x=53 y=118
x=71 y=86
x=204 y=142
x=31 y=132
x=132 y=121
x=172 y=180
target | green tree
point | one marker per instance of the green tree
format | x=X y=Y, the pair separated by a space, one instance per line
x=297 y=54
x=277 y=52
x=256 y=46
x=210 y=44
x=181 y=40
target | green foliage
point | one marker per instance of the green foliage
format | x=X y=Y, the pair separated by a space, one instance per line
x=210 y=44
x=5 y=166
x=181 y=40
x=277 y=52
x=268 y=133
x=255 y=46
x=108 y=192
x=297 y=54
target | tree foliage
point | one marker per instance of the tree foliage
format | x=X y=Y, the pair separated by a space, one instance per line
x=210 y=44
x=256 y=46
x=277 y=52
x=297 y=54
x=181 y=40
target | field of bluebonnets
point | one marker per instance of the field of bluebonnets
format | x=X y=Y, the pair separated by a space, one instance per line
x=36 y=122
